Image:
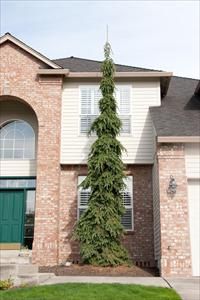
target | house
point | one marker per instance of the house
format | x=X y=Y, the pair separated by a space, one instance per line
x=46 y=108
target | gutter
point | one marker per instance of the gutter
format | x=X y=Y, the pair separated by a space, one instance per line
x=69 y=74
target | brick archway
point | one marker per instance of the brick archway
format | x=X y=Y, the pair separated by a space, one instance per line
x=19 y=79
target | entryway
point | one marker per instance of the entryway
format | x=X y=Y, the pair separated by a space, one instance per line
x=11 y=218
x=17 y=212
x=194 y=215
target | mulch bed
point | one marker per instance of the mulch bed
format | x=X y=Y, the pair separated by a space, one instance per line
x=88 y=270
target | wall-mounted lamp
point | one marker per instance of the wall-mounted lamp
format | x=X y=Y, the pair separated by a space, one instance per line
x=171 y=190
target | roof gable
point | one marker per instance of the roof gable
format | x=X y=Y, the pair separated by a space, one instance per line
x=14 y=40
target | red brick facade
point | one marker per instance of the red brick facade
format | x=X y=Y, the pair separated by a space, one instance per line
x=56 y=193
x=139 y=242
x=19 y=79
x=174 y=220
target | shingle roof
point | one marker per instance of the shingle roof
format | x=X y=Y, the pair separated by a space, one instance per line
x=179 y=114
x=76 y=64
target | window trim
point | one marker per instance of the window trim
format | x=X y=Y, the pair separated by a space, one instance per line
x=126 y=207
x=18 y=178
x=118 y=85
x=2 y=125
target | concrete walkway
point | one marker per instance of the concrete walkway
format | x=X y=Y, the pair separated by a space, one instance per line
x=153 y=281
x=188 y=288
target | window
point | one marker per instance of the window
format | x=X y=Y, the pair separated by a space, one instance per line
x=17 y=141
x=89 y=107
x=17 y=183
x=29 y=218
x=89 y=98
x=123 y=95
x=127 y=219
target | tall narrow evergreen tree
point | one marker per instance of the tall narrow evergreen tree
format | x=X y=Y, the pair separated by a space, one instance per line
x=99 y=229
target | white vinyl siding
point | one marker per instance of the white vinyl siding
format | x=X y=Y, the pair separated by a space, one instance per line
x=89 y=102
x=127 y=219
x=18 y=168
x=192 y=160
x=139 y=143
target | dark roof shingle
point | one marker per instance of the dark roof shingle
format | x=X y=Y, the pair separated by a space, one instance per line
x=76 y=64
x=179 y=113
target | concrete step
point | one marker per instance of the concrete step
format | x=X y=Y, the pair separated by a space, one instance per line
x=26 y=269
x=15 y=270
x=45 y=276
x=14 y=257
x=17 y=260
x=7 y=271
x=17 y=265
x=32 y=279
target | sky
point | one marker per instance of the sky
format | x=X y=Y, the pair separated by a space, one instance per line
x=161 y=35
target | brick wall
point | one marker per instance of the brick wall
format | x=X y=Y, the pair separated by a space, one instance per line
x=56 y=193
x=20 y=82
x=139 y=242
x=175 y=240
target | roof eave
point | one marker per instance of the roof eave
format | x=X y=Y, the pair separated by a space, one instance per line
x=70 y=74
x=14 y=40
x=120 y=74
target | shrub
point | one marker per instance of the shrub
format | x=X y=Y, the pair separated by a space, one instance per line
x=6 y=284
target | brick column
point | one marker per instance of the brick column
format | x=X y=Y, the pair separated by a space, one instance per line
x=45 y=245
x=175 y=239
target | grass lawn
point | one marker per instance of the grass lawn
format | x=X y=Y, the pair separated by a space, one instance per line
x=81 y=291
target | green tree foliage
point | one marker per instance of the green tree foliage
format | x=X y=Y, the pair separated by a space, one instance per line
x=99 y=229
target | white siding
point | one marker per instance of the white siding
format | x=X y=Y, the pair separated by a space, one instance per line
x=139 y=144
x=192 y=160
x=17 y=168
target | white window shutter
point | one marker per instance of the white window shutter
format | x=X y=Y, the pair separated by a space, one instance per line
x=86 y=122
x=83 y=197
x=86 y=101
x=124 y=100
x=90 y=97
x=97 y=97
x=127 y=219
x=127 y=194
x=126 y=124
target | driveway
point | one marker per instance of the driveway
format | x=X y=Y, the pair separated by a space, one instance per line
x=188 y=288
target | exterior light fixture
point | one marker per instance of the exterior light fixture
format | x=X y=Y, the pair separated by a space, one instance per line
x=171 y=190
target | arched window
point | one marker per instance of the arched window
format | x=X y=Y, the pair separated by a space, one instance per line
x=17 y=141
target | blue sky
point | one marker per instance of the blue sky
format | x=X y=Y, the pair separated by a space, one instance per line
x=153 y=34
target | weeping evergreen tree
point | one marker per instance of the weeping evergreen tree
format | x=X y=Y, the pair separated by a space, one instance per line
x=99 y=229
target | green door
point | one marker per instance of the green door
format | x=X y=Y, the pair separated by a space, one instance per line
x=11 y=216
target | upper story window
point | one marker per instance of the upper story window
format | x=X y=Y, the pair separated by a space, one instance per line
x=127 y=195
x=89 y=99
x=17 y=141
